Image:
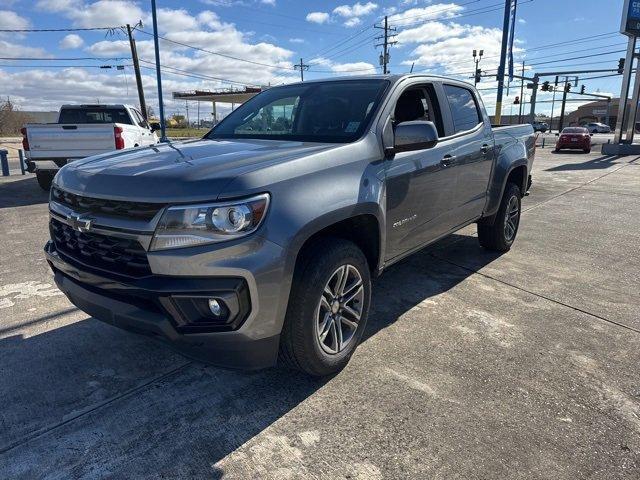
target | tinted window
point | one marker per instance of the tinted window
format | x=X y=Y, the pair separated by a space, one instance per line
x=314 y=112
x=575 y=130
x=94 y=115
x=463 y=108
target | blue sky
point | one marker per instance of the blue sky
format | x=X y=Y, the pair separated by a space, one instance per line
x=249 y=42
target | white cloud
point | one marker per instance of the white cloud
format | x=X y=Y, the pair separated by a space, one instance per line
x=171 y=20
x=105 y=13
x=355 y=10
x=352 y=13
x=71 y=41
x=522 y=21
x=269 y=2
x=9 y=49
x=317 y=17
x=297 y=40
x=416 y=16
x=355 y=68
x=57 y=5
x=11 y=20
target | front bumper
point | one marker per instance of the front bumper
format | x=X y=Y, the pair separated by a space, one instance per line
x=143 y=305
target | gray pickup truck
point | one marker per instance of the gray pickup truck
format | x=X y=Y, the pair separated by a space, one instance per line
x=258 y=242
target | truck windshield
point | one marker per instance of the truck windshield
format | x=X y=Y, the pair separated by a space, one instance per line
x=94 y=115
x=337 y=112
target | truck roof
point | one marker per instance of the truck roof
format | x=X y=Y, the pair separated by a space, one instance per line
x=394 y=78
x=97 y=105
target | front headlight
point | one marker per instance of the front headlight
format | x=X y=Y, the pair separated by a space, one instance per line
x=189 y=225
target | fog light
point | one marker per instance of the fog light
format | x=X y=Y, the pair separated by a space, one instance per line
x=215 y=307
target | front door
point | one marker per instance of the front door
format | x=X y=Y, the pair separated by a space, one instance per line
x=419 y=184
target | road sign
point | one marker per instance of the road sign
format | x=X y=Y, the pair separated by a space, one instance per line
x=631 y=18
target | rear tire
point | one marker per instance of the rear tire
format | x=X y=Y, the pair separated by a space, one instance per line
x=587 y=150
x=45 y=178
x=500 y=236
x=319 y=305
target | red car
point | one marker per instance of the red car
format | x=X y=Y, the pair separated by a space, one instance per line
x=575 y=138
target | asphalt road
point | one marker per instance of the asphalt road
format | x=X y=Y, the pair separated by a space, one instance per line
x=474 y=365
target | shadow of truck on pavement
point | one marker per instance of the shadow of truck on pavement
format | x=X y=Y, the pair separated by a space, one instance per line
x=131 y=407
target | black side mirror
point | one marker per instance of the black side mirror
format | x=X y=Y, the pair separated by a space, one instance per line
x=591 y=134
x=154 y=126
x=557 y=134
x=415 y=135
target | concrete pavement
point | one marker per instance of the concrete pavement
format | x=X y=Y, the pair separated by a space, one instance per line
x=474 y=365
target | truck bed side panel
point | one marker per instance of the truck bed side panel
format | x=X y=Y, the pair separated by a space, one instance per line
x=514 y=147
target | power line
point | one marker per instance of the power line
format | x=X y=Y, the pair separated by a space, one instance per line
x=63 y=66
x=34 y=30
x=187 y=73
x=224 y=55
x=63 y=58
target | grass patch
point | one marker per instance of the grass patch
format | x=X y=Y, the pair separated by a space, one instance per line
x=186 y=132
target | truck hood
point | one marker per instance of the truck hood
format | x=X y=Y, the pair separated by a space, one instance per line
x=192 y=170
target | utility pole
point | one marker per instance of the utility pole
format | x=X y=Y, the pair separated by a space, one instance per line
x=384 y=57
x=566 y=88
x=521 y=94
x=503 y=60
x=553 y=104
x=302 y=67
x=136 y=69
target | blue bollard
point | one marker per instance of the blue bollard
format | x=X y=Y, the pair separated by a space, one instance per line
x=4 y=162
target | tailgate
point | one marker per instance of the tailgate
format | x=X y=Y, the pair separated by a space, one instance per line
x=69 y=140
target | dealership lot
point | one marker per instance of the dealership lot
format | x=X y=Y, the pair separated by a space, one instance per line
x=474 y=365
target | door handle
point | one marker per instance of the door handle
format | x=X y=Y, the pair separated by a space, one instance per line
x=448 y=160
x=484 y=149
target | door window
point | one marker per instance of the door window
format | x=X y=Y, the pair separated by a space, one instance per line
x=417 y=103
x=464 y=109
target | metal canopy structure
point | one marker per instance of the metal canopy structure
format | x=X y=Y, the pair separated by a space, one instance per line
x=220 y=96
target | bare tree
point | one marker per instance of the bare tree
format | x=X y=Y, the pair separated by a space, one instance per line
x=11 y=119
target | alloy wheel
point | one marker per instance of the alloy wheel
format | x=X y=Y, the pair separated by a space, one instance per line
x=512 y=218
x=339 y=309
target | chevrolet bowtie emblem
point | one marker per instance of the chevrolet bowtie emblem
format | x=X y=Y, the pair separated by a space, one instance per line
x=80 y=224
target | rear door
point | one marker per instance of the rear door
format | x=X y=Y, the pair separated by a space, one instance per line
x=472 y=149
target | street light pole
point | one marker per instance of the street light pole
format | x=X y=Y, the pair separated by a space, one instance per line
x=163 y=128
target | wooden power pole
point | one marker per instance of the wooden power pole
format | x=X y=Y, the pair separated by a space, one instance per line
x=136 y=69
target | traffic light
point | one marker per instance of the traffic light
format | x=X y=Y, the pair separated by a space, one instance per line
x=621 y=65
x=478 y=75
x=582 y=89
x=567 y=87
x=545 y=87
x=516 y=101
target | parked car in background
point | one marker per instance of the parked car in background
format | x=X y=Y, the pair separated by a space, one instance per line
x=574 y=138
x=540 y=126
x=82 y=131
x=596 y=127
x=258 y=242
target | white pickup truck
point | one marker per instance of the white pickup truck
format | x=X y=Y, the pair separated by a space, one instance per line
x=82 y=131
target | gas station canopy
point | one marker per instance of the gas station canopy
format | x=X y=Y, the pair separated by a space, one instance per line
x=221 y=96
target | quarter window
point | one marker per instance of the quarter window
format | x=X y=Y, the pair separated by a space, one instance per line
x=464 y=109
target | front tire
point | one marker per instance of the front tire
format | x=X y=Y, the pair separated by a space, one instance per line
x=500 y=236
x=328 y=308
x=45 y=178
